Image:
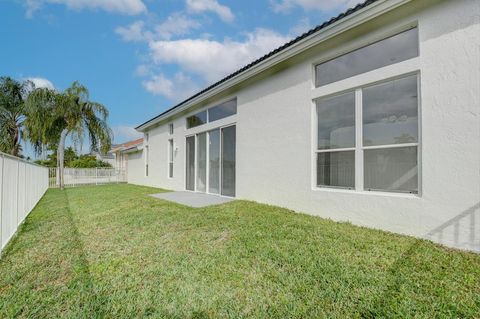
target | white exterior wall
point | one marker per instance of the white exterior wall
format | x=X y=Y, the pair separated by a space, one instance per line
x=136 y=169
x=276 y=131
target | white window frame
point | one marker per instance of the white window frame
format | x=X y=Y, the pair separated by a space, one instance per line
x=359 y=148
x=208 y=157
x=170 y=129
x=171 y=157
x=147 y=135
x=208 y=123
x=146 y=161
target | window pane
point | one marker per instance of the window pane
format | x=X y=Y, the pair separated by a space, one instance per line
x=170 y=155
x=190 y=169
x=197 y=119
x=228 y=161
x=336 y=169
x=336 y=121
x=391 y=169
x=214 y=162
x=202 y=162
x=390 y=112
x=389 y=51
x=223 y=110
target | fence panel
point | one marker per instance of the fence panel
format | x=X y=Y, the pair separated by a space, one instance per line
x=22 y=184
x=86 y=176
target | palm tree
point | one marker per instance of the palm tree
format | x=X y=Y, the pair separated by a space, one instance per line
x=12 y=97
x=52 y=116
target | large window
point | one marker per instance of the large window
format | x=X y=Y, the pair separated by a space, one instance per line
x=397 y=48
x=215 y=113
x=384 y=156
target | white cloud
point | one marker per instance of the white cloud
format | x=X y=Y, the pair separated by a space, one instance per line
x=302 y=26
x=134 y=32
x=129 y=7
x=41 y=82
x=178 y=88
x=124 y=133
x=142 y=70
x=320 y=5
x=212 y=60
x=222 y=11
x=174 y=25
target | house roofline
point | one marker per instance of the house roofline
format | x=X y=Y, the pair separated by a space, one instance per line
x=345 y=21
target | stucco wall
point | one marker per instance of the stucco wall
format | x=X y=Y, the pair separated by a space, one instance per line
x=275 y=131
x=136 y=168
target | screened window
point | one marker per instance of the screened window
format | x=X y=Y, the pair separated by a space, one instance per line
x=223 y=110
x=336 y=141
x=197 y=119
x=388 y=141
x=170 y=158
x=397 y=48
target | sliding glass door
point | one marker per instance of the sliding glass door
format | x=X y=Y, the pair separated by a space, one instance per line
x=214 y=162
x=190 y=163
x=210 y=158
x=202 y=162
x=228 y=160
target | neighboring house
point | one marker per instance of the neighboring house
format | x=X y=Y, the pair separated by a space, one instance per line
x=121 y=152
x=372 y=117
x=109 y=157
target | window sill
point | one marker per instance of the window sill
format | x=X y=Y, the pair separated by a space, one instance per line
x=371 y=193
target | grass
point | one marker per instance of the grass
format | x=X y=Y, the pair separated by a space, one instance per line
x=112 y=251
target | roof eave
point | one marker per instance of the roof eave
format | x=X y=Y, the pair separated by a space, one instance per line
x=373 y=10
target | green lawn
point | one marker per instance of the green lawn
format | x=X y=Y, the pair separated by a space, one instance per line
x=112 y=251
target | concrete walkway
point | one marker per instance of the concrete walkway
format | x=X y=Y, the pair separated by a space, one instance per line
x=193 y=199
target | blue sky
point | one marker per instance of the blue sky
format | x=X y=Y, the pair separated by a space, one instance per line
x=139 y=57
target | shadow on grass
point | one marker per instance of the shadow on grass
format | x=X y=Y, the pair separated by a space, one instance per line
x=408 y=270
x=91 y=302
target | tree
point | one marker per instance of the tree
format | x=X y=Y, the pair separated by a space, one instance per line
x=72 y=159
x=52 y=116
x=12 y=106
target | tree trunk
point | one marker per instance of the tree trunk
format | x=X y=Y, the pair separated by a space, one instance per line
x=60 y=156
x=16 y=138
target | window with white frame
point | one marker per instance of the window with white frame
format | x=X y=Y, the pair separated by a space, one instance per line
x=367 y=139
x=146 y=161
x=171 y=151
x=170 y=129
x=146 y=154
x=212 y=114
x=394 y=49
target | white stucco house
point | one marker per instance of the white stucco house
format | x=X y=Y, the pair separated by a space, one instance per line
x=372 y=117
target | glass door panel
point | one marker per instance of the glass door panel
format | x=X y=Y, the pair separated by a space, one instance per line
x=228 y=160
x=202 y=162
x=214 y=162
x=190 y=169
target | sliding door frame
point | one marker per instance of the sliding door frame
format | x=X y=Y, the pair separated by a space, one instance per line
x=220 y=173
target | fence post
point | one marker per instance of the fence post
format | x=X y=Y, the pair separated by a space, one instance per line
x=96 y=176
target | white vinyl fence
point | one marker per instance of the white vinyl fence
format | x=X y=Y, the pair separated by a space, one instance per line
x=22 y=184
x=86 y=176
